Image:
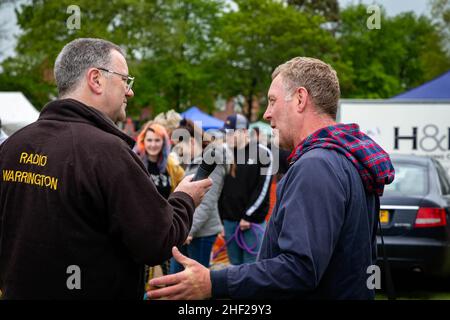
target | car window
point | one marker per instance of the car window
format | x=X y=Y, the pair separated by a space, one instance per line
x=443 y=178
x=410 y=179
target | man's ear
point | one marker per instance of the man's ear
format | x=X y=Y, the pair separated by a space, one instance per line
x=95 y=81
x=301 y=96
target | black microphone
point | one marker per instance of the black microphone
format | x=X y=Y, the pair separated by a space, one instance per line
x=205 y=169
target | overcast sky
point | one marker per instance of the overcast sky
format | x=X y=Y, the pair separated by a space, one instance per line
x=9 y=28
x=394 y=7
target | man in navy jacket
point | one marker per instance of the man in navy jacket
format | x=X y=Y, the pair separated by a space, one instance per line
x=320 y=240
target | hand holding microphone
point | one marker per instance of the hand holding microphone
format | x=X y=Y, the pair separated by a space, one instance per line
x=197 y=185
x=206 y=167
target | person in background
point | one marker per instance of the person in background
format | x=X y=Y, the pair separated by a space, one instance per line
x=206 y=224
x=169 y=120
x=257 y=135
x=153 y=147
x=244 y=201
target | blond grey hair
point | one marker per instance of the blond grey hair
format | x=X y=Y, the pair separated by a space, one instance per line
x=170 y=120
x=77 y=57
x=317 y=77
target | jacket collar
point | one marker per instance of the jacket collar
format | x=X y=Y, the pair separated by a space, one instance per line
x=372 y=162
x=71 y=110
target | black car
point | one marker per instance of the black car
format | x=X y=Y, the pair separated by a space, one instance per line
x=414 y=215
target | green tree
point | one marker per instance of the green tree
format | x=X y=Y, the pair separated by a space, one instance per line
x=44 y=33
x=404 y=53
x=167 y=44
x=440 y=11
x=185 y=53
x=260 y=35
x=326 y=8
x=178 y=66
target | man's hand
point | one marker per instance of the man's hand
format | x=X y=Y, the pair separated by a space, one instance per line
x=196 y=189
x=193 y=283
x=244 y=225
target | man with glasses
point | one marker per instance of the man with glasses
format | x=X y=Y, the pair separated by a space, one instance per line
x=125 y=78
x=79 y=215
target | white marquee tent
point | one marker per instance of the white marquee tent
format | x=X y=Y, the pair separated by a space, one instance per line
x=16 y=111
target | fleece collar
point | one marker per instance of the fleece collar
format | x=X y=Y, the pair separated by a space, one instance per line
x=70 y=110
x=371 y=161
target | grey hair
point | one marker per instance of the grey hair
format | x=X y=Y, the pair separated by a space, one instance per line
x=77 y=57
x=317 y=77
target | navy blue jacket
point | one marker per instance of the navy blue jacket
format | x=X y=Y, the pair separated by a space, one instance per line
x=320 y=239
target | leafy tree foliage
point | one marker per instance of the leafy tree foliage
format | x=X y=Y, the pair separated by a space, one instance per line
x=186 y=53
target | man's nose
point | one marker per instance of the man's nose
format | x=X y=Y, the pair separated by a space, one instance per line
x=267 y=115
x=130 y=93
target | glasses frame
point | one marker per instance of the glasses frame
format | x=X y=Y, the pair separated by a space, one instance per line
x=130 y=79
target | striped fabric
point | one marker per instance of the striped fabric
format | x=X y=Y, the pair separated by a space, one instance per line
x=371 y=161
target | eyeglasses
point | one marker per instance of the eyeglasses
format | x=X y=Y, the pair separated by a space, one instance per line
x=129 y=80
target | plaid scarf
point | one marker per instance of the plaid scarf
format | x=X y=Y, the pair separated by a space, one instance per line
x=371 y=161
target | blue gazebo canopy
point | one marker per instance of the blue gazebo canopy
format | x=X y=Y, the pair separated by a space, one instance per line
x=207 y=121
x=436 y=89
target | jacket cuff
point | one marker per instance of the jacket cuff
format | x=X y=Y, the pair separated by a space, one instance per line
x=219 y=284
x=183 y=196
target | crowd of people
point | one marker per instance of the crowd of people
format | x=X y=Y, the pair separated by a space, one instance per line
x=238 y=202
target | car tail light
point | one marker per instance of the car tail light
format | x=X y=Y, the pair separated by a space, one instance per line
x=430 y=217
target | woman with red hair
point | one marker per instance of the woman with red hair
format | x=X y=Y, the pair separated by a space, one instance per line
x=153 y=146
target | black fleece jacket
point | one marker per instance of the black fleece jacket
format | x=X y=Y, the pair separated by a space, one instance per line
x=79 y=215
x=245 y=194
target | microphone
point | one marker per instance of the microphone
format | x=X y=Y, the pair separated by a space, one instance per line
x=205 y=169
